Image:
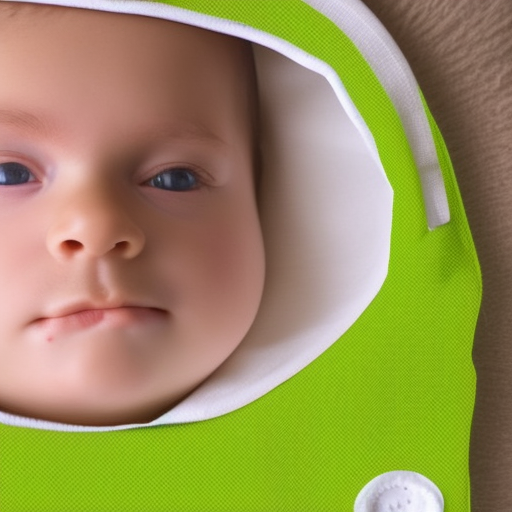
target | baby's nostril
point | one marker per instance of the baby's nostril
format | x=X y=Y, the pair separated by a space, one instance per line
x=73 y=245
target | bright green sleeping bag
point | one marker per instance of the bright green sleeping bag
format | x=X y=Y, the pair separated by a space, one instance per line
x=354 y=389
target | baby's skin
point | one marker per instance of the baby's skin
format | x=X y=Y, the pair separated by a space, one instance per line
x=132 y=261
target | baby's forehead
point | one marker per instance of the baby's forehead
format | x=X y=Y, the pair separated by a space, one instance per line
x=167 y=51
x=29 y=14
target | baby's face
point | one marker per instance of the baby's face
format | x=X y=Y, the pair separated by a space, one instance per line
x=126 y=193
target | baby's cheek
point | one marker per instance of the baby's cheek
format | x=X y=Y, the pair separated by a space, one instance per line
x=237 y=255
x=228 y=276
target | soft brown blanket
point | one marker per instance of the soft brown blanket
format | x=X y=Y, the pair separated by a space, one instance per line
x=461 y=54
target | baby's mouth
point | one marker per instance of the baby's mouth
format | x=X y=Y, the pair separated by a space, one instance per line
x=113 y=317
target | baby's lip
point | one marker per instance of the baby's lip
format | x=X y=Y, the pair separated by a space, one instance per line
x=77 y=318
x=81 y=316
x=79 y=307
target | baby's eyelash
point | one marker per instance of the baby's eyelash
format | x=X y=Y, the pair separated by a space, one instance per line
x=177 y=179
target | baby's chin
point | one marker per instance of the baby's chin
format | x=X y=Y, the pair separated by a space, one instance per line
x=110 y=385
x=95 y=413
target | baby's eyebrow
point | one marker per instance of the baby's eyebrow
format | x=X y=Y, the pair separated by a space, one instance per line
x=27 y=121
x=190 y=131
x=41 y=125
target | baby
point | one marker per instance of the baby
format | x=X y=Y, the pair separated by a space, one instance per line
x=133 y=262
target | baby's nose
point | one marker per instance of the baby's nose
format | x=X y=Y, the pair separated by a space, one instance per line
x=94 y=227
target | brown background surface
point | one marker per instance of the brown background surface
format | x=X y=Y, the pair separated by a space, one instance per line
x=461 y=54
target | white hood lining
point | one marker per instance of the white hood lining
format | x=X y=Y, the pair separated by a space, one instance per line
x=326 y=217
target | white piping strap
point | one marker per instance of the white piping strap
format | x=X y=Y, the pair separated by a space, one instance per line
x=395 y=75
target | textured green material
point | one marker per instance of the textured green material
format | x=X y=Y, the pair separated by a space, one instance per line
x=396 y=392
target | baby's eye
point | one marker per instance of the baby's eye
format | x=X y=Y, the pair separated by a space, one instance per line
x=14 y=173
x=178 y=179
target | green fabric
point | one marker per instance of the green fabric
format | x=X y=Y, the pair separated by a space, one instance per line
x=396 y=392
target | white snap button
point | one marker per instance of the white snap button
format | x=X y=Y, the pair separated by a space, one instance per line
x=399 y=491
